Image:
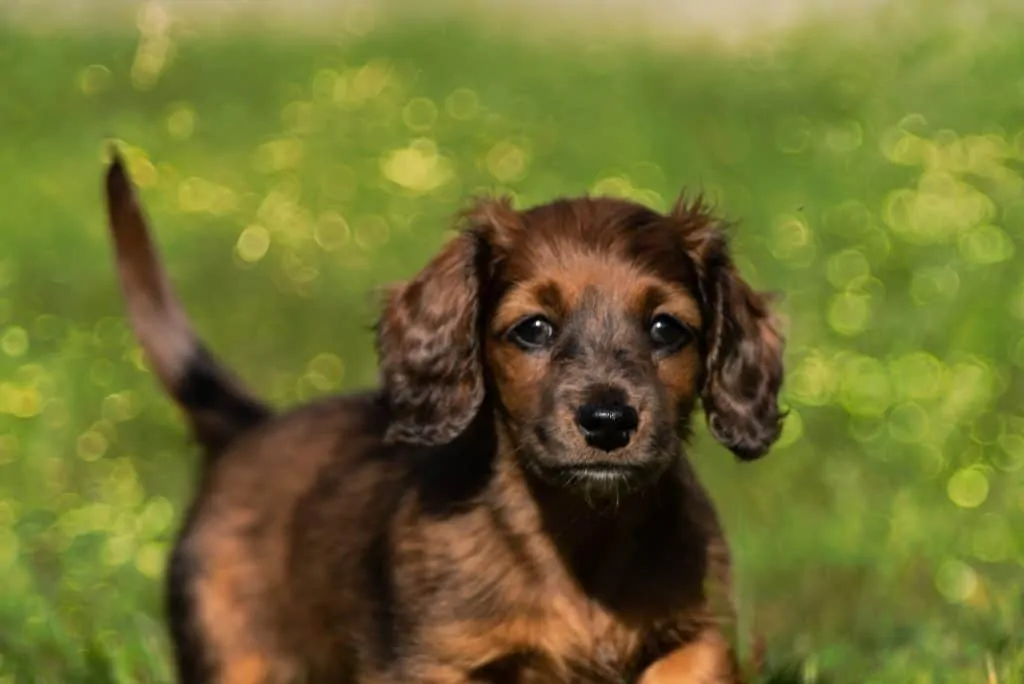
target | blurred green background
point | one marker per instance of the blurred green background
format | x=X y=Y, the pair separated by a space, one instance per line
x=874 y=166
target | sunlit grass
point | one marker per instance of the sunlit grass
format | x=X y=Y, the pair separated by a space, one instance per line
x=877 y=185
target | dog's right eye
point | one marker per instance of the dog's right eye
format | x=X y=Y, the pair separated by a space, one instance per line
x=532 y=333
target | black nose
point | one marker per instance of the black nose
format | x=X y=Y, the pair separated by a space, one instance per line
x=607 y=426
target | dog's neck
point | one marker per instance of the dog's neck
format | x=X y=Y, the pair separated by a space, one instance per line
x=604 y=545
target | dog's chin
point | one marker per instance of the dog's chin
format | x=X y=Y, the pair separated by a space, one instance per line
x=602 y=482
x=598 y=482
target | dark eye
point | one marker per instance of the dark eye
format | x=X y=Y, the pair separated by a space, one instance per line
x=668 y=334
x=535 y=332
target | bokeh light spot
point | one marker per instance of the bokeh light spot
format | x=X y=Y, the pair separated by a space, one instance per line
x=181 y=122
x=986 y=244
x=908 y=423
x=813 y=382
x=91 y=445
x=144 y=173
x=418 y=168
x=968 y=487
x=847 y=266
x=14 y=341
x=792 y=430
x=300 y=266
x=866 y=428
x=864 y=387
x=969 y=388
x=331 y=231
x=363 y=84
x=956 y=580
x=325 y=372
x=94 y=79
x=849 y=313
x=253 y=243
x=371 y=232
x=156 y=518
x=917 y=375
x=19 y=401
x=792 y=136
x=194 y=195
x=902 y=147
x=507 y=162
x=612 y=186
x=419 y=114
x=151 y=559
x=278 y=155
x=845 y=137
x=118 y=550
x=155 y=46
x=462 y=104
x=791 y=240
x=120 y=406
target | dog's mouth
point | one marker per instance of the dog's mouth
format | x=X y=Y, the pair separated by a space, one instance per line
x=598 y=472
x=596 y=480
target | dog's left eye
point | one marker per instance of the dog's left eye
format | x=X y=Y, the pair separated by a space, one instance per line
x=535 y=332
x=669 y=334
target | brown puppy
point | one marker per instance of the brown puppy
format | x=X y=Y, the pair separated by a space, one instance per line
x=512 y=505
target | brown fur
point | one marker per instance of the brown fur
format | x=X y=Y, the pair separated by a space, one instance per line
x=456 y=526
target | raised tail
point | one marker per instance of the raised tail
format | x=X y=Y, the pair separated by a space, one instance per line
x=216 y=404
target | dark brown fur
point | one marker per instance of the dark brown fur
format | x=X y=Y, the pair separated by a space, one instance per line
x=454 y=526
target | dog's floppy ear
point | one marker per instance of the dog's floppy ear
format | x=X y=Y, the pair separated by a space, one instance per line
x=743 y=343
x=428 y=344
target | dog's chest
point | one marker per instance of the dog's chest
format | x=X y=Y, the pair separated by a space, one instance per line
x=571 y=637
x=576 y=631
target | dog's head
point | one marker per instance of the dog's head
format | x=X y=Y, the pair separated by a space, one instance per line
x=595 y=325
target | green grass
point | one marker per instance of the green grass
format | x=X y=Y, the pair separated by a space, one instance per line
x=877 y=183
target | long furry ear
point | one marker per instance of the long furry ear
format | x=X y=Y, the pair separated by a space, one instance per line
x=428 y=344
x=744 y=344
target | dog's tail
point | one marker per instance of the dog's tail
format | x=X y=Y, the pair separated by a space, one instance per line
x=217 y=406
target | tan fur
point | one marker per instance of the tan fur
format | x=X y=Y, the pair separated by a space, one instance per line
x=705 y=661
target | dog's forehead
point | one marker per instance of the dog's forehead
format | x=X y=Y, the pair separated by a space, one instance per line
x=574 y=275
x=598 y=244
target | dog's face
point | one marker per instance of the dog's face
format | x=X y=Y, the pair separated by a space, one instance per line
x=596 y=325
x=593 y=346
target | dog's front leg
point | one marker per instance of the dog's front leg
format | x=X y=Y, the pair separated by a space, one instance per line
x=707 y=660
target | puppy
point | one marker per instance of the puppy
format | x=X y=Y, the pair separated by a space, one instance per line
x=513 y=503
